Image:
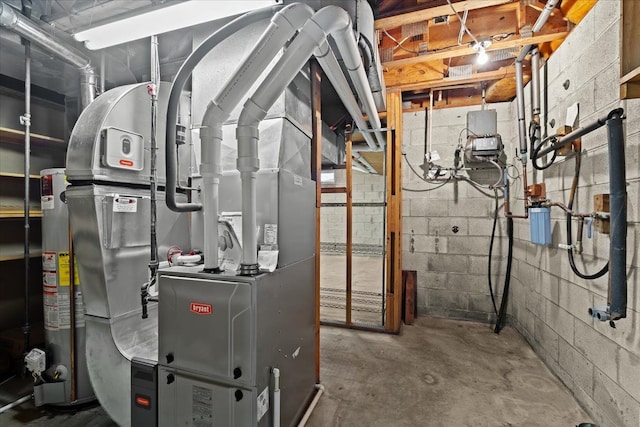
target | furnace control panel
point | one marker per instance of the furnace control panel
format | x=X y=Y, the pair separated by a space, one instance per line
x=122 y=149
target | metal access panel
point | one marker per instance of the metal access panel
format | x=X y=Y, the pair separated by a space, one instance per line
x=225 y=333
x=206 y=326
x=196 y=401
x=482 y=122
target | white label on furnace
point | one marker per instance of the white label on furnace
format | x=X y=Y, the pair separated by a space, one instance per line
x=125 y=204
x=47 y=202
x=271 y=234
x=49 y=261
x=263 y=403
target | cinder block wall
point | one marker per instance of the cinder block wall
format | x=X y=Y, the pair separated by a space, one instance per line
x=600 y=365
x=368 y=221
x=548 y=303
x=447 y=229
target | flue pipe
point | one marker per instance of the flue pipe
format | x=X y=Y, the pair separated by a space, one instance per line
x=24 y=27
x=312 y=39
x=177 y=86
x=283 y=27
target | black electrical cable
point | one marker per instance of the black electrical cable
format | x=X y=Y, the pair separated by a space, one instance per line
x=605 y=269
x=507 y=280
x=493 y=235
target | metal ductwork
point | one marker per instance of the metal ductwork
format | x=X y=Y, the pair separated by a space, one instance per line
x=25 y=28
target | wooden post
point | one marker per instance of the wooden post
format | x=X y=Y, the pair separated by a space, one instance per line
x=316 y=171
x=394 y=211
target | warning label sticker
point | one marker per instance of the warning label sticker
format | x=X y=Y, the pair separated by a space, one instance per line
x=50 y=302
x=125 y=204
x=47 y=202
x=64 y=270
x=49 y=261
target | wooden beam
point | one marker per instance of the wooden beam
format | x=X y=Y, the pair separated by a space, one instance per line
x=447 y=82
x=463 y=50
x=393 y=282
x=430 y=13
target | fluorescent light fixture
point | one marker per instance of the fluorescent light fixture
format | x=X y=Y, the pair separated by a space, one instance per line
x=162 y=20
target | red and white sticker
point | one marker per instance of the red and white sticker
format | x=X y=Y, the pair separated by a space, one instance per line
x=125 y=204
x=201 y=308
x=49 y=261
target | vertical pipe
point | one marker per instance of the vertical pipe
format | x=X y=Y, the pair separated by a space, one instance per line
x=72 y=320
x=522 y=129
x=316 y=172
x=349 y=164
x=535 y=98
x=26 y=121
x=618 y=204
x=276 y=397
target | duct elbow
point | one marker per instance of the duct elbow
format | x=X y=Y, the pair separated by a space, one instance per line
x=332 y=19
x=294 y=16
x=8 y=16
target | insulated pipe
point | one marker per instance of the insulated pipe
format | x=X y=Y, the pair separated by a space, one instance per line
x=283 y=27
x=534 y=128
x=24 y=27
x=618 y=204
x=537 y=26
x=313 y=35
x=522 y=127
x=179 y=82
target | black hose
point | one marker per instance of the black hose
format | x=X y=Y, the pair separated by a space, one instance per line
x=535 y=150
x=572 y=262
x=507 y=279
x=493 y=235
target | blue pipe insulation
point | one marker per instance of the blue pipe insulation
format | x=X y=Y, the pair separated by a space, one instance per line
x=618 y=205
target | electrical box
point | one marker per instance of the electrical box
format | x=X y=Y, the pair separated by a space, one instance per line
x=540 y=225
x=488 y=145
x=122 y=149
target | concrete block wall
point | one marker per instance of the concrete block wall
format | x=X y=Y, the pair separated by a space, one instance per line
x=368 y=221
x=548 y=304
x=447 y=229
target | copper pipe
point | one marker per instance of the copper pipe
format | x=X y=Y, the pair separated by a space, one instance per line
x=72 y=318
x=507 y=212
x=569 y=211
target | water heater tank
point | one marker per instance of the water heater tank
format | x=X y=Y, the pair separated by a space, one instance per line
x=65 y=380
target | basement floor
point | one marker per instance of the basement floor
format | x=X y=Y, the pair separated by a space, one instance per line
x=438 y=372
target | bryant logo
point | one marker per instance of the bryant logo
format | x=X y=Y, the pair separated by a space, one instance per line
x=199 y=308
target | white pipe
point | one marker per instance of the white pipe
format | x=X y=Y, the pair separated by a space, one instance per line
x=312 y=405
x=276 y=397
x=185 y=259
x=331 y=68
x=358 y=157
x=16 y=403
x=350 y=53
x=283 y=26
x=312 y=39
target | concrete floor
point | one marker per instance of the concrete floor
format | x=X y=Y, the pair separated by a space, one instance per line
x=437 y=373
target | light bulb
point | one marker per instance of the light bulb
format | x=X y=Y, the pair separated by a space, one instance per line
x=483 y=58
